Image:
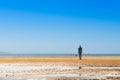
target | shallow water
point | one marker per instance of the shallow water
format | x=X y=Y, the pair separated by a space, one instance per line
x=46 y=67
x=54 y=76
x=10 y=72
x=32 y=67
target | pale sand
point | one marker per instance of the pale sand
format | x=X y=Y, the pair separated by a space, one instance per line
x=49 y=68
x=90 y=61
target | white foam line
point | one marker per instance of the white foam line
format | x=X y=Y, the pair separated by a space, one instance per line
x=46 y=67
x=100 y=67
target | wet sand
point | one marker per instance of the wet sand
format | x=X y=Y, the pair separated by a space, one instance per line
x=51 y=68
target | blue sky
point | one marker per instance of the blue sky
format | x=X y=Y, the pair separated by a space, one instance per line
x=59 y=26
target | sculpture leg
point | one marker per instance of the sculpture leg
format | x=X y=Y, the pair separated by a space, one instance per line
x=80 y=57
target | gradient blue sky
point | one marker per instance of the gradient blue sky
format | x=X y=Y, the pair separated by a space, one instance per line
x=59 y=26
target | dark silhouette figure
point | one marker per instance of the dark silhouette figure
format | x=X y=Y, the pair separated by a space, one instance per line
x=80 y=52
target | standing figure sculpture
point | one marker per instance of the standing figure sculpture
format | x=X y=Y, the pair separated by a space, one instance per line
x=80 y=52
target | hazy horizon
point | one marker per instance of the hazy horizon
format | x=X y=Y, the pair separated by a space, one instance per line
x=59 y=26
x=91 y=53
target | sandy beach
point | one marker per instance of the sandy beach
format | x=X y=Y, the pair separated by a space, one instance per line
x=52 y=68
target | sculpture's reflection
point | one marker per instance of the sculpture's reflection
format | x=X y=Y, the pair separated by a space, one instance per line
x=79 y=67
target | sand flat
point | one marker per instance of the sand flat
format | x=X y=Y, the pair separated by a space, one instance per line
x=93 y=61
x=58 y=68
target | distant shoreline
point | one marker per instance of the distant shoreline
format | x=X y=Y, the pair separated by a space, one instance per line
x=58 y=55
